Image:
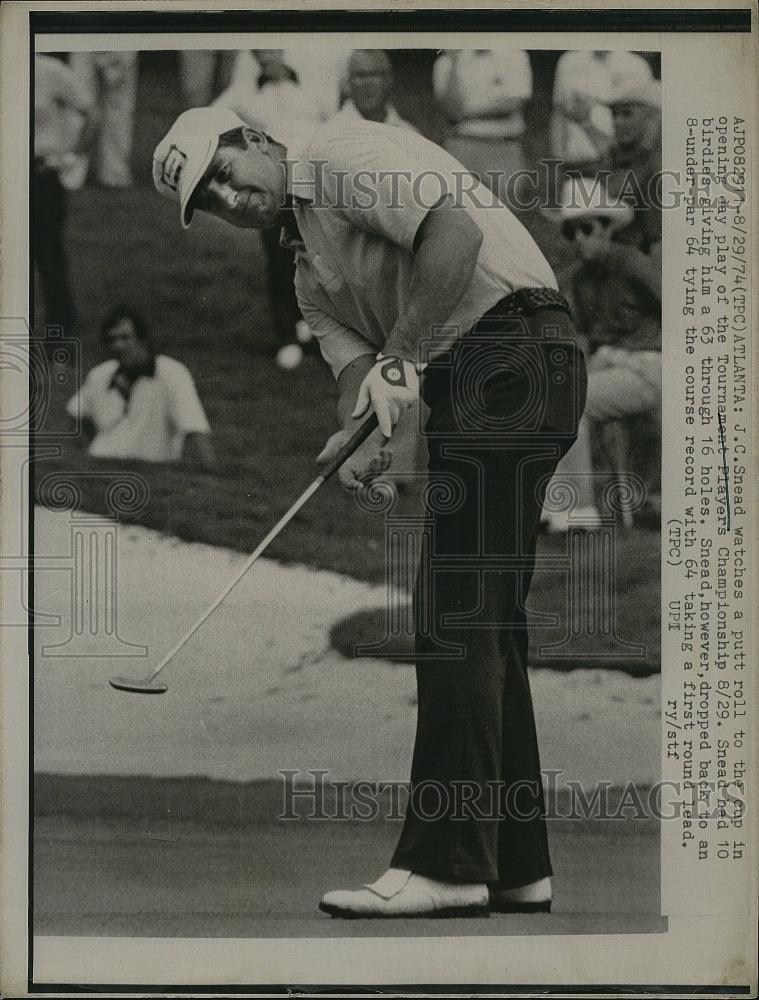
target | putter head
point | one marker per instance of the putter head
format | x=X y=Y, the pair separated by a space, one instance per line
x=137 y=687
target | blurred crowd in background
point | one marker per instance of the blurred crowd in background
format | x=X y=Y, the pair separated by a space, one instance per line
x=599 y=118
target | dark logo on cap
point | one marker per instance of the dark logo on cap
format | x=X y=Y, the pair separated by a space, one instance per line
x=173 y=165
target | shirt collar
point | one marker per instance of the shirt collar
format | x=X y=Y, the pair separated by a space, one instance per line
x=290 y=237
x=123 y=379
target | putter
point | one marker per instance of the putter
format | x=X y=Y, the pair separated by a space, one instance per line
x=148 y=685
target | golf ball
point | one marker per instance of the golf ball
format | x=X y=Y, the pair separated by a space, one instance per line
x=289 y=356
x=302 y=332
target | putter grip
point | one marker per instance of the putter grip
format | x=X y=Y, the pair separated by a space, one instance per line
x=358 y=438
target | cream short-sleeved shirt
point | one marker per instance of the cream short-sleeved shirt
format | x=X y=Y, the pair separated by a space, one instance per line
x=152 y=425
x=361 y=191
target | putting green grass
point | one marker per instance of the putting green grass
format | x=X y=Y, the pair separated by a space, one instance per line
x=120 y=857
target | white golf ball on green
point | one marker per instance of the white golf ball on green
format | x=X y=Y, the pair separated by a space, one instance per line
x=289 y=356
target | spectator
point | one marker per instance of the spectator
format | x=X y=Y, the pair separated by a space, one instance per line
x=140 y=404
x=369 y=86
x=62 y=127
x=319 y=72
x=635 y=157
x=265 y=88
x=483 y=93
x=110 y=79
x=202 y=74
x=615 y=288
x=582 y=129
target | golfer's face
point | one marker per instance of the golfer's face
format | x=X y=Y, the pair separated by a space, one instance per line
x=244 y=187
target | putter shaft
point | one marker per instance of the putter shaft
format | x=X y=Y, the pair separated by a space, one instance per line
x=361 y=434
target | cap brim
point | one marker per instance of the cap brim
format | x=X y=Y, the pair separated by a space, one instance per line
x=185 y=211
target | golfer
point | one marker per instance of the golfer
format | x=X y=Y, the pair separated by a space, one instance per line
x=409 y=270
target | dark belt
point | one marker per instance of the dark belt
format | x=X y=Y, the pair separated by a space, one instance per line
x=437 y=380
x=525 y=302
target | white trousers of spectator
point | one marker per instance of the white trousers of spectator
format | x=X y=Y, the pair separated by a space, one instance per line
x=621 y=385
x=202 y=73
x=115 y=146
x=196 y=74
x=112 y=79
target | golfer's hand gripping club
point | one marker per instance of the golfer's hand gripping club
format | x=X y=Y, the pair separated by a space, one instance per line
x=371 y=458
x=391 y=387
x=147 y=685
x=352 y=444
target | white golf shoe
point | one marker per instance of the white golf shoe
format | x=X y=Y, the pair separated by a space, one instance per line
x=402 y=894
x=535 y=897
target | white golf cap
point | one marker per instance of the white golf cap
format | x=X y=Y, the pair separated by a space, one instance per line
x=583 y=198
x=182 y=156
